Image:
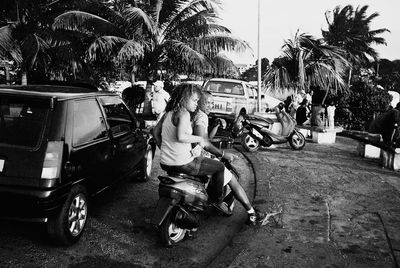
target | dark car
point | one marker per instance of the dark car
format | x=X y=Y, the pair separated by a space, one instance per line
x=60 y=145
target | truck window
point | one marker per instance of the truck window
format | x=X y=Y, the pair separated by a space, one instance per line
x=225 y=87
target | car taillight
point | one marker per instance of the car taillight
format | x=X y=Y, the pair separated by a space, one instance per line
x=52 y=160
x=229 y=107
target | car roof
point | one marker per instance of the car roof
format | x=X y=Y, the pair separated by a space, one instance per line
x=228 y=80
x=52 y=91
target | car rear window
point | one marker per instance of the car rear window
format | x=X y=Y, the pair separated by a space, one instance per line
x=225 y=87
x=22 y=120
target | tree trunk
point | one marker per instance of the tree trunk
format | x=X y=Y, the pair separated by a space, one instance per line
x=132 y=78
x=316 y=114
x=350 y=74
x=24 y=78
x=7 y=74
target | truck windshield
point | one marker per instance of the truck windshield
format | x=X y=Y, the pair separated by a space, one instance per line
x=225 y=87
x=22 y=120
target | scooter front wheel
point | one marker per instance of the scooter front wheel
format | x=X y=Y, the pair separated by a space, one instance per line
x=249 y=143
x=170 y=233
x=297 y=140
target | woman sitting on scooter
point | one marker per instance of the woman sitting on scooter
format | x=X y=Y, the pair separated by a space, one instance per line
x=174 y=135
x=200 y=127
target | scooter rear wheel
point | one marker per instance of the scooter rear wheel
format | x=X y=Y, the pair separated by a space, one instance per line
x=249 y=143
x=170 y=233
x=297 y=140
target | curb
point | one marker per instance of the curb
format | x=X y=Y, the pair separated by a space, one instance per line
x=223 y=257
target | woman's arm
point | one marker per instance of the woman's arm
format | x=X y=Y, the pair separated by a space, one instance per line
x=201 y=131
x=157 y=131
x=183 y=124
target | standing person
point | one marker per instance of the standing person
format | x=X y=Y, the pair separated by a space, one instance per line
x=330 y=110
x=200 y=127
x=160 y=99
x=308 y=96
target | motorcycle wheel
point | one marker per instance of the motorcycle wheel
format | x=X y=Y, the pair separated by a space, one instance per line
x=297 y=140
x=169 y=232
x=249 y=143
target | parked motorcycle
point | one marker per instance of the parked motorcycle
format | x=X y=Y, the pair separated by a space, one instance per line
x=182 y=200
x=256 y=131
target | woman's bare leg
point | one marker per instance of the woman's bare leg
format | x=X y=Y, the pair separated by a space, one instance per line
x=239 y=193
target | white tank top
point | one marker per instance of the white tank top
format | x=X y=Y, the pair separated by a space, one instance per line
x=173 y=152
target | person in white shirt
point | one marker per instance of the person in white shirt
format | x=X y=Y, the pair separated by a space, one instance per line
x=200 y=127
x=331 y=115
x=160 y=99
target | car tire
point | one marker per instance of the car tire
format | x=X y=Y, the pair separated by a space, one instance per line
x=67 y=227
x=146 y=165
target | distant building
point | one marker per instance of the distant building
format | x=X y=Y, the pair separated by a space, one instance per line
x=242 y=67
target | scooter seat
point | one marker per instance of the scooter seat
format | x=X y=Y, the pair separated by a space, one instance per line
x=202 y=179
x=269 y=121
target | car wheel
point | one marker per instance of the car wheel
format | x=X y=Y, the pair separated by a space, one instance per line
x=146 y=165
x=297 y=140
x=170 y=233
x=249 y=143
x=67 y=227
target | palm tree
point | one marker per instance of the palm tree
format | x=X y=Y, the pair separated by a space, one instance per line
x=188 y=37
x=350 y=30
x=24 y=41
x=180 y=35
x=307 y=62
x=101 y=33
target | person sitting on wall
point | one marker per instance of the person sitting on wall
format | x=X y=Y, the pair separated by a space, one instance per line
x=302 y=113
x=387 y=125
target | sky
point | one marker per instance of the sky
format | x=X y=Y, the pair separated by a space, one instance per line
x=280 y=19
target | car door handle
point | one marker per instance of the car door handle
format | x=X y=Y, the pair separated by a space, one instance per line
x=129 y=146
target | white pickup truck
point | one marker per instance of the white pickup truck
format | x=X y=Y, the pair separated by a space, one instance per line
x=234 y=97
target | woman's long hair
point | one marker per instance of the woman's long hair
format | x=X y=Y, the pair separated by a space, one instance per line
x=181 y=95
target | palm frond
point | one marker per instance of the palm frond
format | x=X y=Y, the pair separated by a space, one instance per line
x=183 y=52
x=211 y=45
x=136 y=16
x=200 y=9
x=104 y=45
x=131 y=50
x=8 y=45
x=86 y=22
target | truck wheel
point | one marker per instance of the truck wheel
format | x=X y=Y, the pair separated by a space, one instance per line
x=67 y=227
x=170 y=233
x=249 y=143
x=146 y=165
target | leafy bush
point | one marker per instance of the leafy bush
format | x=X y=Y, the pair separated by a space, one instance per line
x=357 y=107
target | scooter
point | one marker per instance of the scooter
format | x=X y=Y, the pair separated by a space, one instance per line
x=182 y=200
x=256 y=131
